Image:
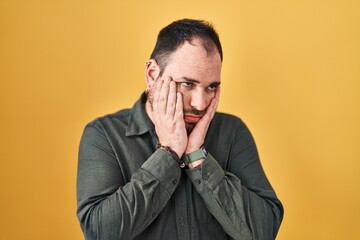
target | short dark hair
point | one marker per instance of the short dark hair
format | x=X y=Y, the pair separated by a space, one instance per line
x=176 y=33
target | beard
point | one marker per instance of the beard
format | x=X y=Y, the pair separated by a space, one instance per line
x=188 y=126
x=193 y=111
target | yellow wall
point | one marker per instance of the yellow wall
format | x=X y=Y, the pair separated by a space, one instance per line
x=291 y=71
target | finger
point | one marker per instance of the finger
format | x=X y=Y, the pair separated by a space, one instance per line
x=158 y=84
x=163 y=97
x=217 y=95
x=215 y=100
x=179 y=107
x=214 y=103
x=171 y=102
x=210 y=111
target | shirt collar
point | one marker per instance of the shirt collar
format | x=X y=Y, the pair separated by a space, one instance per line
x=139 y=121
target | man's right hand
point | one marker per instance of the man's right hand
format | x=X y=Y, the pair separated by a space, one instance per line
x=168 y=116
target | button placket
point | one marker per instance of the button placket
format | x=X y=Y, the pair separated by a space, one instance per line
x=182 y=221
x=183 y=231
x=205 y=176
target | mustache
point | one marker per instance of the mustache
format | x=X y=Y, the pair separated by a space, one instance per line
x=194 y=111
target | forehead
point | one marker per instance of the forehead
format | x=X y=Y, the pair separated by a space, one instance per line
x=191 y=60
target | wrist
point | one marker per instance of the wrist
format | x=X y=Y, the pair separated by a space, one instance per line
x=195 y=156
x=172 y=153
x=196 y=164
x=191 y=149
x=175 y=148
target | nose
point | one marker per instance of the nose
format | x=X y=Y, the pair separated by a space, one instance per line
x=198 y=100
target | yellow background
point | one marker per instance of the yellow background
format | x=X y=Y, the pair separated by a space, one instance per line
x=291 y=71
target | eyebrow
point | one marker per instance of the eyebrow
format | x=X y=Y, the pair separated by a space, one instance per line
x=216 y=83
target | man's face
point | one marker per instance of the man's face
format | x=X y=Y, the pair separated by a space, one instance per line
x=197 y=75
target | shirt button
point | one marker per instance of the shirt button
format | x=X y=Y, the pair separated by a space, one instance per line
x=198 y=181
x=182 y=221
x=205 y=177
x=174 y=181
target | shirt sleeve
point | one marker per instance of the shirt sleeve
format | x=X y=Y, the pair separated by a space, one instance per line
x=240 y=198
x=108 y=211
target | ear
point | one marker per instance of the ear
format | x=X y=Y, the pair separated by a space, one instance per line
x=152 y=72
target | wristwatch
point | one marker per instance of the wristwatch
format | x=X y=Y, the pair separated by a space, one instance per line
x=194 y=156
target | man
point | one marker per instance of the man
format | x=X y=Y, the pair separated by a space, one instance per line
x=171 y=167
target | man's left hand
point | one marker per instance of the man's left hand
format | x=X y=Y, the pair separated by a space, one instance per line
x=198 y=134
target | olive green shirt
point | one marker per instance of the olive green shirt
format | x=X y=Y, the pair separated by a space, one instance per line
x=128 y=189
